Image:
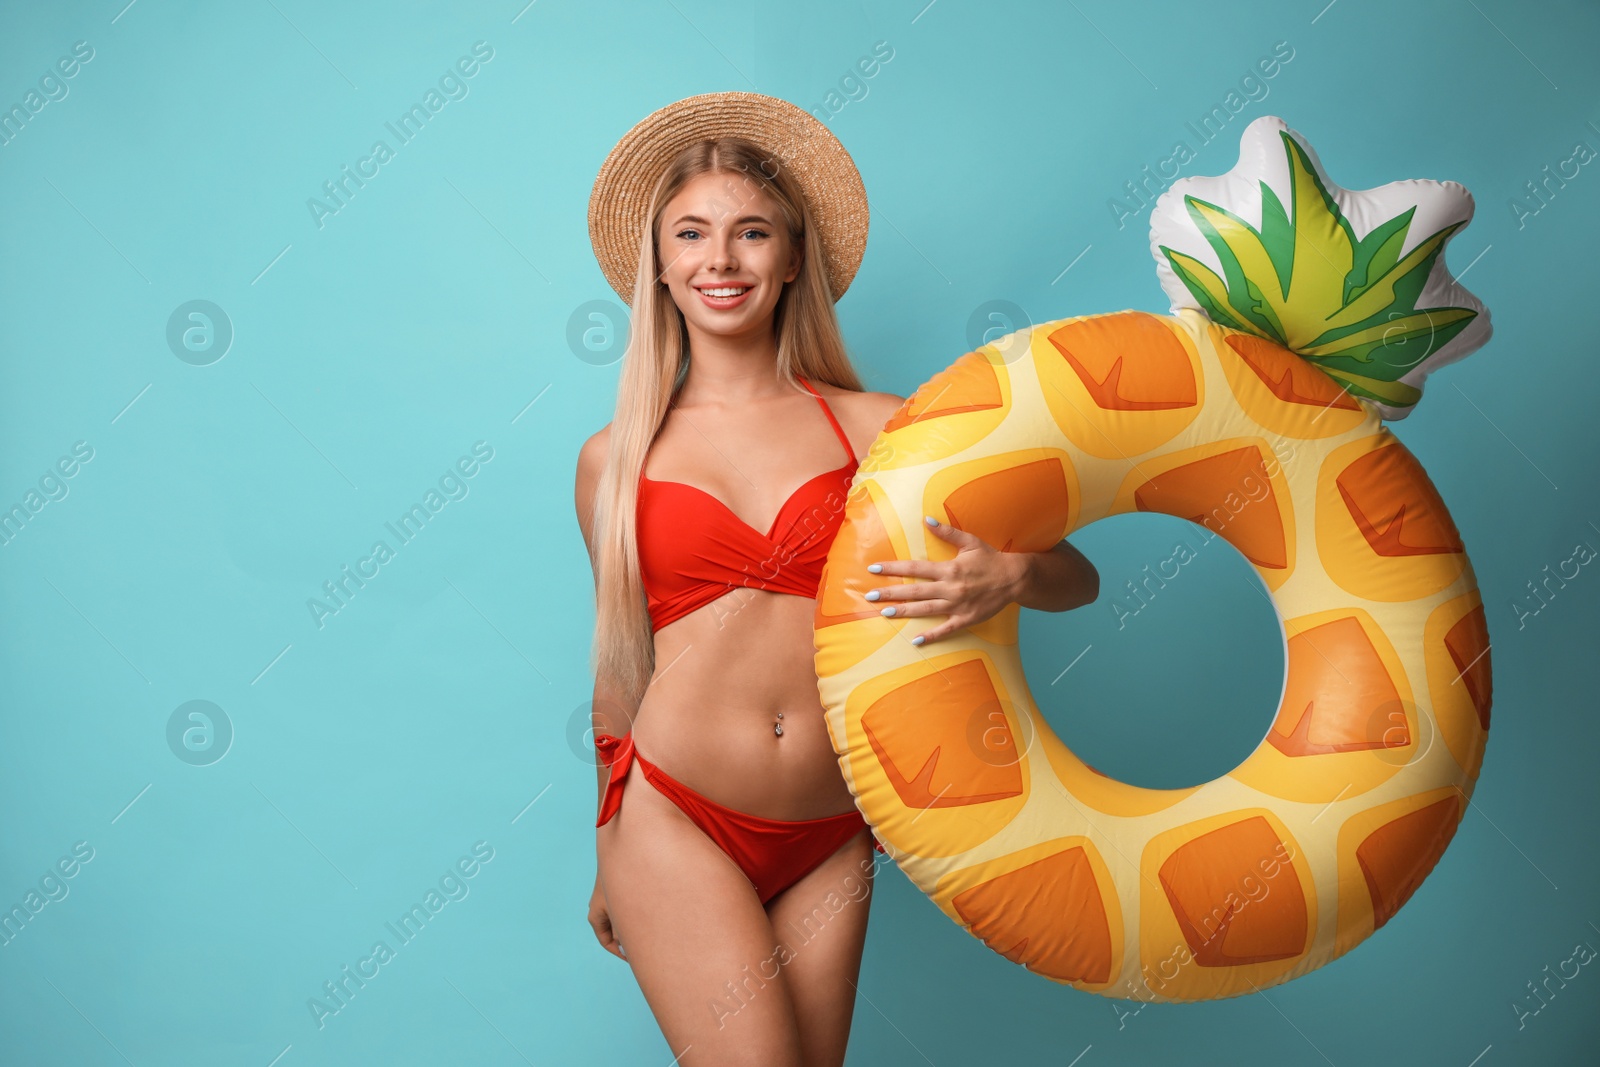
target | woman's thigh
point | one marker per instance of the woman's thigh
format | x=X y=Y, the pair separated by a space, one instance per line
x=822 y=919
x=700 y=943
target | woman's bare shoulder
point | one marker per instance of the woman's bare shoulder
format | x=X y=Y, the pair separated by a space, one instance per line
x=862 y=413
x=859 y=398
x=873 y=407
x=591 y=461
x=884 y=405
x=593 y=452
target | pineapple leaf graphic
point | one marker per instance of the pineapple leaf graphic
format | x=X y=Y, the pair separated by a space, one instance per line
x=1305 y=281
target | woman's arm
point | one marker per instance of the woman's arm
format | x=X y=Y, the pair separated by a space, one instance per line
x=981 y=581
x=1058 y=580
x=609 y=713
x=611 y=719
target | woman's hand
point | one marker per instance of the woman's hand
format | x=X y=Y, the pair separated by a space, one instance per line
x=600 y=919
x=982 y=580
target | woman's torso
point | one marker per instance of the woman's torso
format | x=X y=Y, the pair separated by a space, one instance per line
x=734 y=658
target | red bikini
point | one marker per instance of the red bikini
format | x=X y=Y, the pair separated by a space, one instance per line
x=773 y=853
x=692 y=550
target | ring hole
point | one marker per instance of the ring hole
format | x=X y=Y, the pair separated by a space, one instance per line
x=1185 y=655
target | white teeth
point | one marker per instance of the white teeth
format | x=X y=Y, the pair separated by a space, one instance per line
x=725 y=291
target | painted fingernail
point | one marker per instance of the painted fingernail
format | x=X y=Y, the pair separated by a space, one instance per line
x=872 y=595
x=875 y=568
x=917 y=640
x=888 y=611
x=930 y=520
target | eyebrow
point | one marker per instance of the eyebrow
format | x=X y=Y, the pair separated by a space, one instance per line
x=681 y=219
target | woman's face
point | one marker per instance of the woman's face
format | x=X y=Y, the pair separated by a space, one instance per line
x=722 y=234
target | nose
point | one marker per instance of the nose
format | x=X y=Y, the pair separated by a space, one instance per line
x=722 y=255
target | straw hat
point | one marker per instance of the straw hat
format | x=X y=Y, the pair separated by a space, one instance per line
x=827 y=176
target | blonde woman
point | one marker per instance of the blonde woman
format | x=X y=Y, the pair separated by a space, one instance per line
x=736 y=879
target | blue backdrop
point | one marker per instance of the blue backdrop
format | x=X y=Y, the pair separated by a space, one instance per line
x=230 y=768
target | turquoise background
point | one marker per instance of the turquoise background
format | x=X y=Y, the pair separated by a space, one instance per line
x=443 y=706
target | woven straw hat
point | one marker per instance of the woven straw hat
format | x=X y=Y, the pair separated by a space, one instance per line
x=827 y=176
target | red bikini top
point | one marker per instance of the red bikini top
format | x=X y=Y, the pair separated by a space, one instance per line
x=694 y=549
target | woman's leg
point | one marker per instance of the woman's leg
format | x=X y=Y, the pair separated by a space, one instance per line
x=699 y=942
x=823 y=920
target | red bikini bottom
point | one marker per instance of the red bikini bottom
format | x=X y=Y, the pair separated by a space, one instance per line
x=773 y=853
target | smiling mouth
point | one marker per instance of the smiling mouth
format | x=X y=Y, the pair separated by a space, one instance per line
x=723 y=297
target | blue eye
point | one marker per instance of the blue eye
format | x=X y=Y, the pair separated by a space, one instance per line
x=686 y=234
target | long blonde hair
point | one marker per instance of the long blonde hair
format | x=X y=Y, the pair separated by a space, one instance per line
x=653 y=370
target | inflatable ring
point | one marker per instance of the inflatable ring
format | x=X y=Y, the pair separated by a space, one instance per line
x=1323 y=833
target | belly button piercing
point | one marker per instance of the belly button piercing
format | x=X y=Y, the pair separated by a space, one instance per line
x=777 y=727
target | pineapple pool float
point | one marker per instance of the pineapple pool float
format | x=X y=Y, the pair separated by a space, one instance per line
x=1303 y=315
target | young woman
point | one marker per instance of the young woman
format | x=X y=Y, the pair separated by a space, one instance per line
x=732 y=222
